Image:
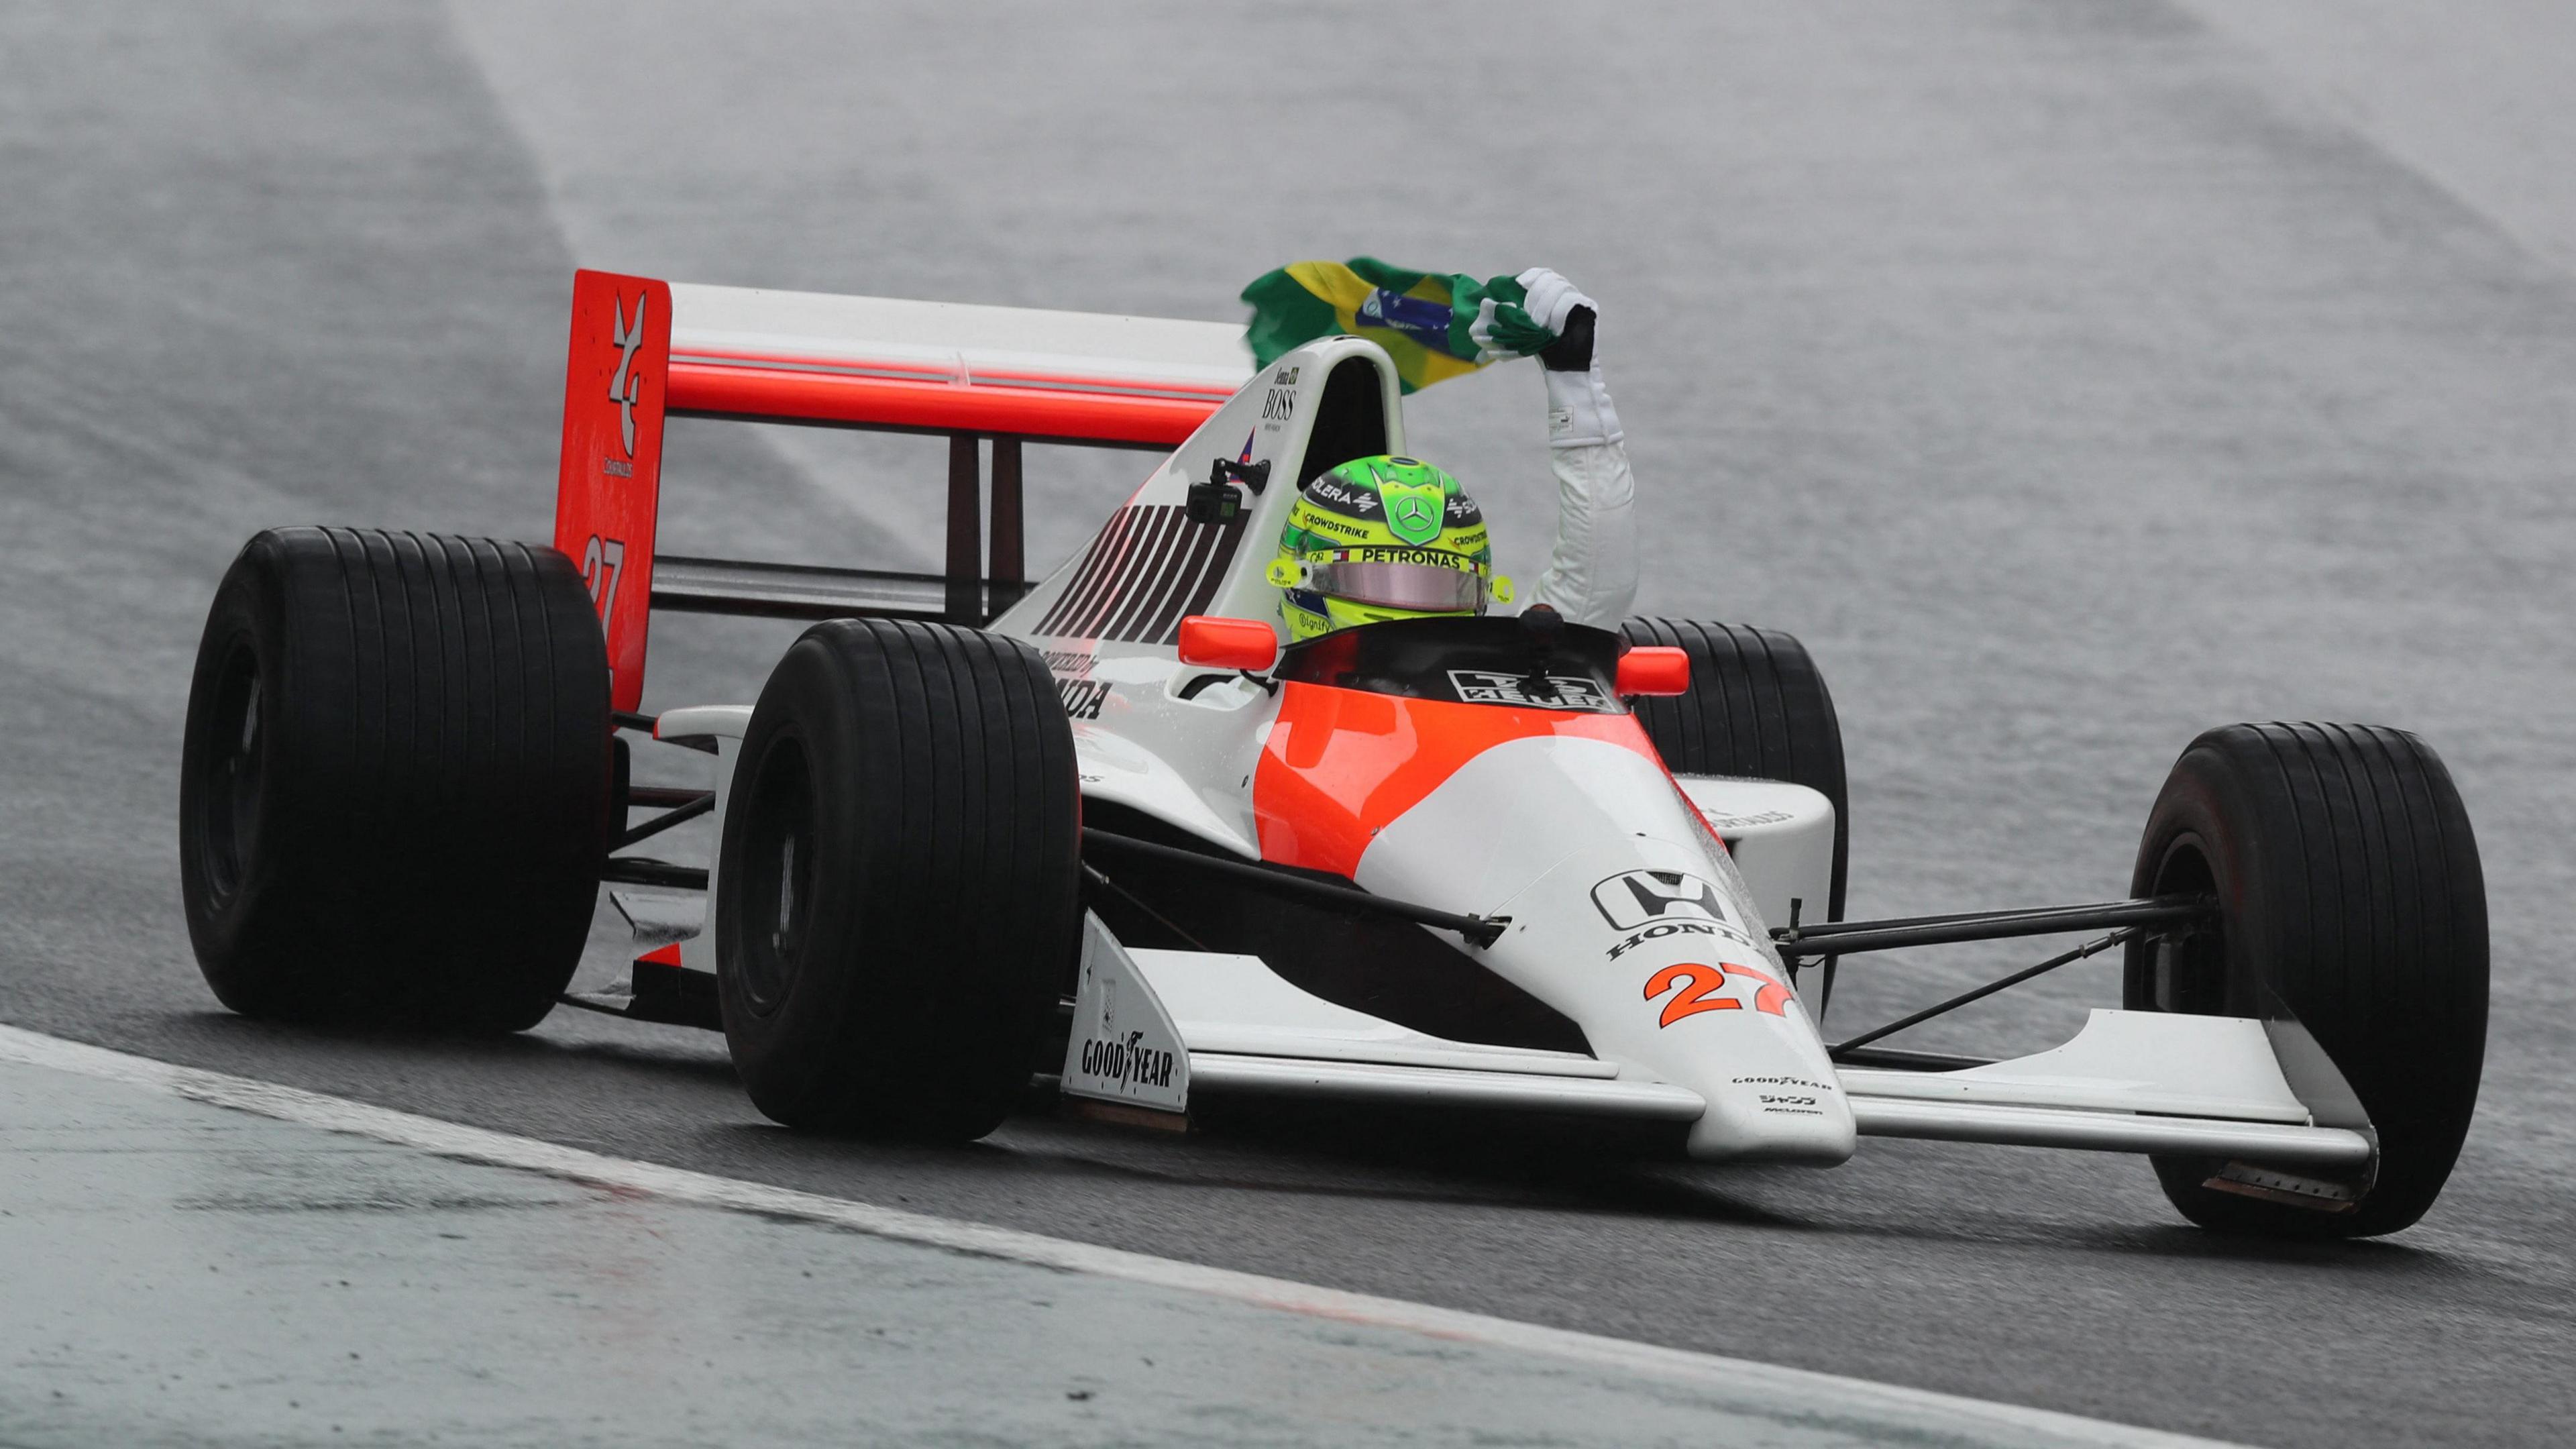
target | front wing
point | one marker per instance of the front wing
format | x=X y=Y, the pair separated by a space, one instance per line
x=1152 y=1029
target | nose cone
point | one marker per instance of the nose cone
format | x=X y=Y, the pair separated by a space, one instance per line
x=1627 y=917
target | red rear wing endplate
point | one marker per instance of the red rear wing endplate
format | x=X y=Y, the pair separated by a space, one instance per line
x=608 y=492
x=642 y=351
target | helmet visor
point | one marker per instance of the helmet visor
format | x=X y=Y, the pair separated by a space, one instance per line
x=1423 y=588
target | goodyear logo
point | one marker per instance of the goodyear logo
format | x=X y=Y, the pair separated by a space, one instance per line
x=1126 y=1062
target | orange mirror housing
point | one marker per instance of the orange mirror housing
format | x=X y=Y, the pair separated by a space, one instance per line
x=1651 y=669
x=1232 y=643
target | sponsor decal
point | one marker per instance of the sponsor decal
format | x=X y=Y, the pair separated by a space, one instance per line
x=1693 y=987
x=1317 y=522
x=626 y=385
x=1332 y=492
x=1424 y=321
x=1665 y=930
x=1439 y=558
x=1538 y=691
x=1285 y=375
x=1081 y=694
x=1247 y=441
x=1795 y=1096
x=1801 y=1084
x=1739 y=822
x=1415 y=517
x=1278 y=405
x=1125 y=1062
x=1637 y=898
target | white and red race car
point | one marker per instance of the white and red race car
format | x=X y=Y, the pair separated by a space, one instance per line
x=1105 y=827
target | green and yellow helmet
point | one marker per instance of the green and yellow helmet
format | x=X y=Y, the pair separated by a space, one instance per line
x=1383 y=538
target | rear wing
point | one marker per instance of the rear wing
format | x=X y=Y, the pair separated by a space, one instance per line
x=645 y=351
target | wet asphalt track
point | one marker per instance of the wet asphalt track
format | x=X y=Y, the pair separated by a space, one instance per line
x=2066 y=375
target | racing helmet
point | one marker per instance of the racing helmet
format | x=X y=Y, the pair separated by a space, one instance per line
x=1382 y=538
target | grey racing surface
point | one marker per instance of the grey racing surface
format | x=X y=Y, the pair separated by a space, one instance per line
x=2070 y=377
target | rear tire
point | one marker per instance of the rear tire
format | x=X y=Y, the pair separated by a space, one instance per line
x=1758 y=709
x=2350 y=901
x=394 y=784
x=898 y=899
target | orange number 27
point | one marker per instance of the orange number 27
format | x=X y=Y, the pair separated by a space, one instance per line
x=1696 y=981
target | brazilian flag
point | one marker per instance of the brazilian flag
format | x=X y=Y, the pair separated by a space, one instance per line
x=1436 y=326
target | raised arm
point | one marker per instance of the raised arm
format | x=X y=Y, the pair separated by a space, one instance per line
x=1591 y=573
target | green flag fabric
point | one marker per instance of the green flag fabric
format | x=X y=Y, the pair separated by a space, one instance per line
x=1435 y=325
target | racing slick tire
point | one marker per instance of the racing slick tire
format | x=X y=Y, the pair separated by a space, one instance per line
x=2350 y=902
x=1757 y=708
x=394 y=782
x=898 y=895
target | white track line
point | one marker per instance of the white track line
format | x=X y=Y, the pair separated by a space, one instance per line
x=1734 y=1376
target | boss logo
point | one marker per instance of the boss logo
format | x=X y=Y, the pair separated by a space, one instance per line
x=1635 y=899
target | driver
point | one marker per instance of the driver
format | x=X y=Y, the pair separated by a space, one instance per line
x=1382 y=538
x=1392 y=537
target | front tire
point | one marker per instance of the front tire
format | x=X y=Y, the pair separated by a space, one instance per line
x=898 y=894
x=2351 y=902
x=394 y=782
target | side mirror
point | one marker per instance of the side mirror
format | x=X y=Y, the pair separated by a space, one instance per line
x=1245 y=644
x=1648 y=669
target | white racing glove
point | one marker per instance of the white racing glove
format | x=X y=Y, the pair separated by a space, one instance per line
x=1591 y=574
x=1578 y=401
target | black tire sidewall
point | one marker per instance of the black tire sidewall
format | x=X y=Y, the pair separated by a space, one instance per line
x=2202 y=807
x=784 y=1049
x=945 y=821
x=224 y=927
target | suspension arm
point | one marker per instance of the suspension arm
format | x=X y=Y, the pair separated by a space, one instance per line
x=1844 y=938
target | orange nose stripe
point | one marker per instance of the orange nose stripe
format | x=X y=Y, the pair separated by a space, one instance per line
x=1341 y=764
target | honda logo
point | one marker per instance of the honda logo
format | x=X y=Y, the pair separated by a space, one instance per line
x=1636 y=898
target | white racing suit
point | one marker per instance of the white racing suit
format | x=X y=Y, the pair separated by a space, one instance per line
x=1591 y=575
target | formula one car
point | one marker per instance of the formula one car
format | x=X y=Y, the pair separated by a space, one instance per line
x=1105 y=828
